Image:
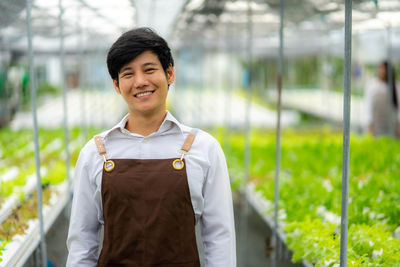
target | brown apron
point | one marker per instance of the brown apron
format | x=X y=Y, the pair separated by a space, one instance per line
x=147 y=210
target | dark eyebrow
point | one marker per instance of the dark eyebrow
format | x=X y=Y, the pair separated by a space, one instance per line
x=149 y=64
x=124 y=69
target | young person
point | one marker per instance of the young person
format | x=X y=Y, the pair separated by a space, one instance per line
x=149 y=179
x=383 y=113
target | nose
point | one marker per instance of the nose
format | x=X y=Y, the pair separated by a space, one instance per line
x=140 y=80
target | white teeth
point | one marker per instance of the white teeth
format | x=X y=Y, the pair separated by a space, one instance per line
x=144 y=94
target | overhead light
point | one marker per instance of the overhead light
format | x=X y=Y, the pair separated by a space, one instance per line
x=328 y=7
x=266 y=18
x=389 y=18
x=389 y=5
x=194 y=4
x=243 y=6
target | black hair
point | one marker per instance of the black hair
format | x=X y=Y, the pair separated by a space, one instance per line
x=388 y=66
x=134 y=42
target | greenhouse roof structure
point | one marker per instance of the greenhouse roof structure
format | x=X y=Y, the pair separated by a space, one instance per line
x=311 y=26
x=104 y=19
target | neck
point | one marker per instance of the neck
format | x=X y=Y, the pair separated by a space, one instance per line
x=145 y=124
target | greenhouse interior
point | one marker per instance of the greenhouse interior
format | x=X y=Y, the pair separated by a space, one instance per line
x=298 y=93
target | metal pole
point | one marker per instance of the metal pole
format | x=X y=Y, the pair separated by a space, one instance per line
x=229 y=89
x=184 y=89
x=192 y=87
x=151 y=12
x=392 y=115
x=178 y=83
x=247 y=148
x=64 y=90
x=181 y=83
x=346 y=134
x=278 y=138
x=80 y=75
x=200 y=86
x=43 y=249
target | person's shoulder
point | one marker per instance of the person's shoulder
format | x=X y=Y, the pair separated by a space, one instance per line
x=375 y=83
x=208 y=138
x=202 y=138
x=90 y=149
x=372 y=86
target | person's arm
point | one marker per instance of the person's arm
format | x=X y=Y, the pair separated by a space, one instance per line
x=369 y=98
x=84 y=229
x=398 y=130
x=398 y=124
x=370 y=129
x=217 y=221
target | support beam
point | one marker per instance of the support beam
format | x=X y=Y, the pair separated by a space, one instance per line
x=32 y=83
x=346 y=133
x=247 y=149
x=278 y=138
x=64 y=90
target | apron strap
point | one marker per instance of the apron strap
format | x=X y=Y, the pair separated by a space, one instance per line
x=100 y=146
x=108 y=164
x=186 y=146
x=189 y=140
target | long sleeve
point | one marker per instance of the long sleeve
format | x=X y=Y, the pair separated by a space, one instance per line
x=398 y=104
x=369 y=98
x=84 y=228
x=217 y=221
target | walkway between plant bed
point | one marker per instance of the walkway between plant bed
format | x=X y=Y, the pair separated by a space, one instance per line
x=101 y=109
x=323 y=104
x=210 y=108
x=258 y=238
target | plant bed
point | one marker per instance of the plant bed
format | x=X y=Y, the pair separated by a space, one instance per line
x=22 y=234
x=19 y=228
x=310 y=193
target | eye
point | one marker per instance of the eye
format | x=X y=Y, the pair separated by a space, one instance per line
x=126 y=74
x=150 y=70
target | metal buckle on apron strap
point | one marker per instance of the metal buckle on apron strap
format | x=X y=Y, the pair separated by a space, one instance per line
x=108 y=164
x=180 y=161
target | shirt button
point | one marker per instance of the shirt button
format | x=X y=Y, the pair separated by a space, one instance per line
x=144 y=140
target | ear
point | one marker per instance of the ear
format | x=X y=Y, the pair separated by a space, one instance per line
x=116 y=86
x=170 y=75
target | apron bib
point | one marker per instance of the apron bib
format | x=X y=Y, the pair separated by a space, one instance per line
x=148 y=214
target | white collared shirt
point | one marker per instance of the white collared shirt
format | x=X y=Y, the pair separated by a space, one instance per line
x=208 y=181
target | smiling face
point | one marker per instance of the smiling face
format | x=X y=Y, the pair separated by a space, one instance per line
x=144 y=85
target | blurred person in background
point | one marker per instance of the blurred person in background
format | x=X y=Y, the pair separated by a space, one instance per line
x=149 y=179
x=382 y=103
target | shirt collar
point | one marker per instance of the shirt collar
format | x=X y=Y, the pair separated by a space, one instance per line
x=168 y=124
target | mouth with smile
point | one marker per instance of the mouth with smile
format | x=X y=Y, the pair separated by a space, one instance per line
x=144 y=94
